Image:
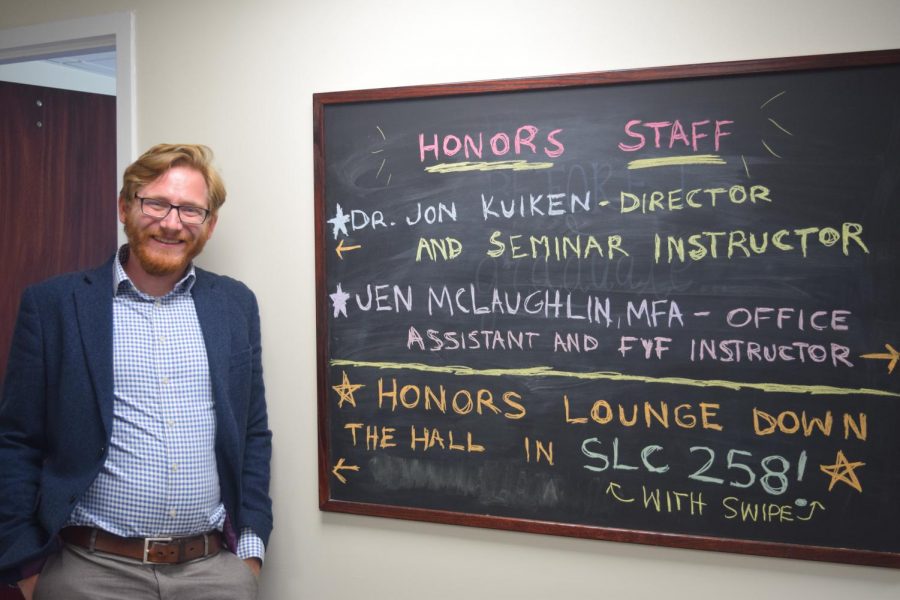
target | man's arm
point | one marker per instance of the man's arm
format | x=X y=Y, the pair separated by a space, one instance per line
x=22 y=442
x=256 y=509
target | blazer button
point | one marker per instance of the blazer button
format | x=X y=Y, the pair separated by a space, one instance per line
x=101 y=451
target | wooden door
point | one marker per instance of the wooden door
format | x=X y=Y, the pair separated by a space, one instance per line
x=57 y=189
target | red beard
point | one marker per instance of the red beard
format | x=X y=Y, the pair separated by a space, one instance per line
x=162 y=263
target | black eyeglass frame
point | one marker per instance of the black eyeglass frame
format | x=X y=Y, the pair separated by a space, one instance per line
x=177 y=207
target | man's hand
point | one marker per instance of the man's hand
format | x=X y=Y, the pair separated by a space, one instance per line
x=26 y=586
x=254 y=565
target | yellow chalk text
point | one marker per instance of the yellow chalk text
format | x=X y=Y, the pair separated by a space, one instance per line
x=651 y=414
x=425 y=439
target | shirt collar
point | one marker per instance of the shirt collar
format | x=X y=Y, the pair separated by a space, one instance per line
x=121 y=281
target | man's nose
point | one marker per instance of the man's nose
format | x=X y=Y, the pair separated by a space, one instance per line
x=171 y=220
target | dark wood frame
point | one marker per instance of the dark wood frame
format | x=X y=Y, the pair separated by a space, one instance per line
x=747 y=67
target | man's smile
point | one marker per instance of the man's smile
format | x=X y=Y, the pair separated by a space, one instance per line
x=168 y=242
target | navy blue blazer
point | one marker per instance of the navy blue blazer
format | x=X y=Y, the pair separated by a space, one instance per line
x=57 y=406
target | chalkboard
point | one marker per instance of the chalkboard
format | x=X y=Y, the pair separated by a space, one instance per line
x=657 y=306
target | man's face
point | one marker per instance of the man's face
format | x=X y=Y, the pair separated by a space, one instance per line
x=166 y=246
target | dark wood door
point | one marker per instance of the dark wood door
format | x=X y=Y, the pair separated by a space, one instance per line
x=57 y=189
x=57 y=192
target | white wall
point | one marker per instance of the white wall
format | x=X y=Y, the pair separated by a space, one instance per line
x=239 y=75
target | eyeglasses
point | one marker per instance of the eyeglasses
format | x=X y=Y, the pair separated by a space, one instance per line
x=159 y=209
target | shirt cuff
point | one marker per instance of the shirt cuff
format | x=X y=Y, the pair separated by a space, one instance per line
x=250 y=545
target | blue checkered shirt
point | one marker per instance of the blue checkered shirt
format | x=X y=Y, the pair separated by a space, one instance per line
x=160 y=476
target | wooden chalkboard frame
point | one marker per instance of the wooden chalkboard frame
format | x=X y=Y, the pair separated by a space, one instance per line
x=683 y=72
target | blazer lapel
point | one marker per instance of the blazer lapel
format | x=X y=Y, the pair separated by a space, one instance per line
x=93 y=307
x=211 y=313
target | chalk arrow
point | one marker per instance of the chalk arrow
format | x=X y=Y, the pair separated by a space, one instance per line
x=342 y=248
x=611 y=489
x=812 y=509
x=340 y=466
x=891 y=355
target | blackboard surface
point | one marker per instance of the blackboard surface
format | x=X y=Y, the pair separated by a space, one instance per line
x=657 y=306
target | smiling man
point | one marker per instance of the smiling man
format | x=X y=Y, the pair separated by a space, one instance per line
x=134 y=440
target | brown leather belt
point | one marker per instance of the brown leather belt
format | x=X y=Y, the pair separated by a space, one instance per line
x=155 y=550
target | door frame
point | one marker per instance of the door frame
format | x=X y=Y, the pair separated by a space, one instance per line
x=101 y=32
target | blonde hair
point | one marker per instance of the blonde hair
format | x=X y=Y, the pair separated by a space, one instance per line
x=162 y=157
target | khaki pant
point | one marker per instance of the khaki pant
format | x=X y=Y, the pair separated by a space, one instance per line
x=77 y=574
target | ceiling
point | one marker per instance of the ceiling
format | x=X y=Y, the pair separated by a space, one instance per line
x=101 y=63
x=84 y=71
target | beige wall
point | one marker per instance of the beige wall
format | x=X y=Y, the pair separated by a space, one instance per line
x=239 y=75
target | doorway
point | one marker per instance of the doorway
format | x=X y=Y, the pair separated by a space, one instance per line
x=73 y=225
x=61 y=153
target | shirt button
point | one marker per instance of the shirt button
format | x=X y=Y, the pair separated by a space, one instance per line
x=172 y=513
x=171 y=422
x=175 y=467
x=165 y=381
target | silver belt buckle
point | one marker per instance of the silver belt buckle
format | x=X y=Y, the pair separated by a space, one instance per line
x=152 y=540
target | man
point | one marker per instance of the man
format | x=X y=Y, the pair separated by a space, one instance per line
x=134 y=442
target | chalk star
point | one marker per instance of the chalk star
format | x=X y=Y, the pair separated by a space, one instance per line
x=339 y=222
x=339 y=300
x=346 y=389
x=842 y=470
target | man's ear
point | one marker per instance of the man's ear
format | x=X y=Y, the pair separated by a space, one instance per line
x=211 y=225
x=123 y=209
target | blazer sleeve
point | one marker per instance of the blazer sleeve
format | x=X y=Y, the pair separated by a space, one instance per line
x=256 y=505
x=22 y=442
